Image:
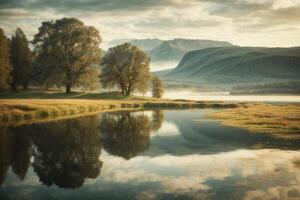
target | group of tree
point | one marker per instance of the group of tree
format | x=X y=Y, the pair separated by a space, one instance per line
x=5 y=66
x=66 y=53
x=15 y=60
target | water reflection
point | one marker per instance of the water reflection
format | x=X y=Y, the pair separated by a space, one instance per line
x=67 y=152
x=124 y=134
x=146 y=155
x=128 y=134
x=64 y=153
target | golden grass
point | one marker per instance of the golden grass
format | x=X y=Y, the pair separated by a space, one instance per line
x=16 y=110
x=281 y=120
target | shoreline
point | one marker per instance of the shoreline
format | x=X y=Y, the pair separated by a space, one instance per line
x=30 y=110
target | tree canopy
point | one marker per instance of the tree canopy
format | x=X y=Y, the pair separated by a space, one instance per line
x=5 y=66
x=70 y=48
x=21 y=59
x=127 y=67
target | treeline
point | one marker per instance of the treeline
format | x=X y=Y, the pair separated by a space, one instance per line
x=290 y=87
x=66 y=53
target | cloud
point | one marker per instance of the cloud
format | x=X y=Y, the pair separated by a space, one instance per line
x=236 y=21
x=90 y=5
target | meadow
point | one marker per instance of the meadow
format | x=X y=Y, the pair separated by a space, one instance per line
x=279 y=119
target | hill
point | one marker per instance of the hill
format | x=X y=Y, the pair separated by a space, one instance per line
x=170 y=50
x=236 y=65
x=145 y=44
x=174 y=50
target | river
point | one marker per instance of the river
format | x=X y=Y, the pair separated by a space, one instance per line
x=153 y=154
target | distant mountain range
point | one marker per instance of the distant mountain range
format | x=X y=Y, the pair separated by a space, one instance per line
x=235 y=65
x=173 y=50
x=170 y=50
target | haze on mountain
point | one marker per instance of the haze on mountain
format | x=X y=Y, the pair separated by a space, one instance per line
x=236 y=65
x=166 y=54
x=170 y=50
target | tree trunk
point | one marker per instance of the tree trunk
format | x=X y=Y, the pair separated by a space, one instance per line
x=14 y=86
x=128 y=93
x=25 y=86
x=47 y=86
x=68 y=88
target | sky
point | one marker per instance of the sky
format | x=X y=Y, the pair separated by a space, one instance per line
x=243 y=22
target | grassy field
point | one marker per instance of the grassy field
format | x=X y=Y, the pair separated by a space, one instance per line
x=35 y=105
x=281 y=120
x=60 y=94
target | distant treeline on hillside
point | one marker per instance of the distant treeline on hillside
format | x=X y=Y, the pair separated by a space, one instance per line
x=292 y=87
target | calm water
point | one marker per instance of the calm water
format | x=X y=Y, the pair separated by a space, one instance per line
x=146 y=155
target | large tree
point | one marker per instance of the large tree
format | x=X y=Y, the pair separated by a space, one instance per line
x=21 y=59
x=127 y=67
x=70 y=48
x=5 y=66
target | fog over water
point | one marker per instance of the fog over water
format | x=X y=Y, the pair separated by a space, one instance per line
x=225 y=96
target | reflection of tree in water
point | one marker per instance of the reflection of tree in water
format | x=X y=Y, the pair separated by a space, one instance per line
x=157 y=119
x=5 y=146
x=20 y=152
x=67 y=152
x=15 y=151
x=125 y=134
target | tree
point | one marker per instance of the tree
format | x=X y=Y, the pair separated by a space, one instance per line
x=127 y=67
x=70 y=48
x=90 y=80
x=43 y=72
x=21 y=59
x=157 y=87
x=5 y=66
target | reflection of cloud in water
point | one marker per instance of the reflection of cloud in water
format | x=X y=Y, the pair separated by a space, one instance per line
x=167 y=129
x=240 y=173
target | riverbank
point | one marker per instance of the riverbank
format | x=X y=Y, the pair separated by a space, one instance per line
x=279 y=119
x=16 y=110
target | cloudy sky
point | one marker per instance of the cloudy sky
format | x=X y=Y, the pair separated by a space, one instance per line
x=242 y=22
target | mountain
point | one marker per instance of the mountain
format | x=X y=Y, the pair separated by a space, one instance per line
x=118 y=42
x=145 y=44
x=169 y=50
x=174 y=50
x=236 y=65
